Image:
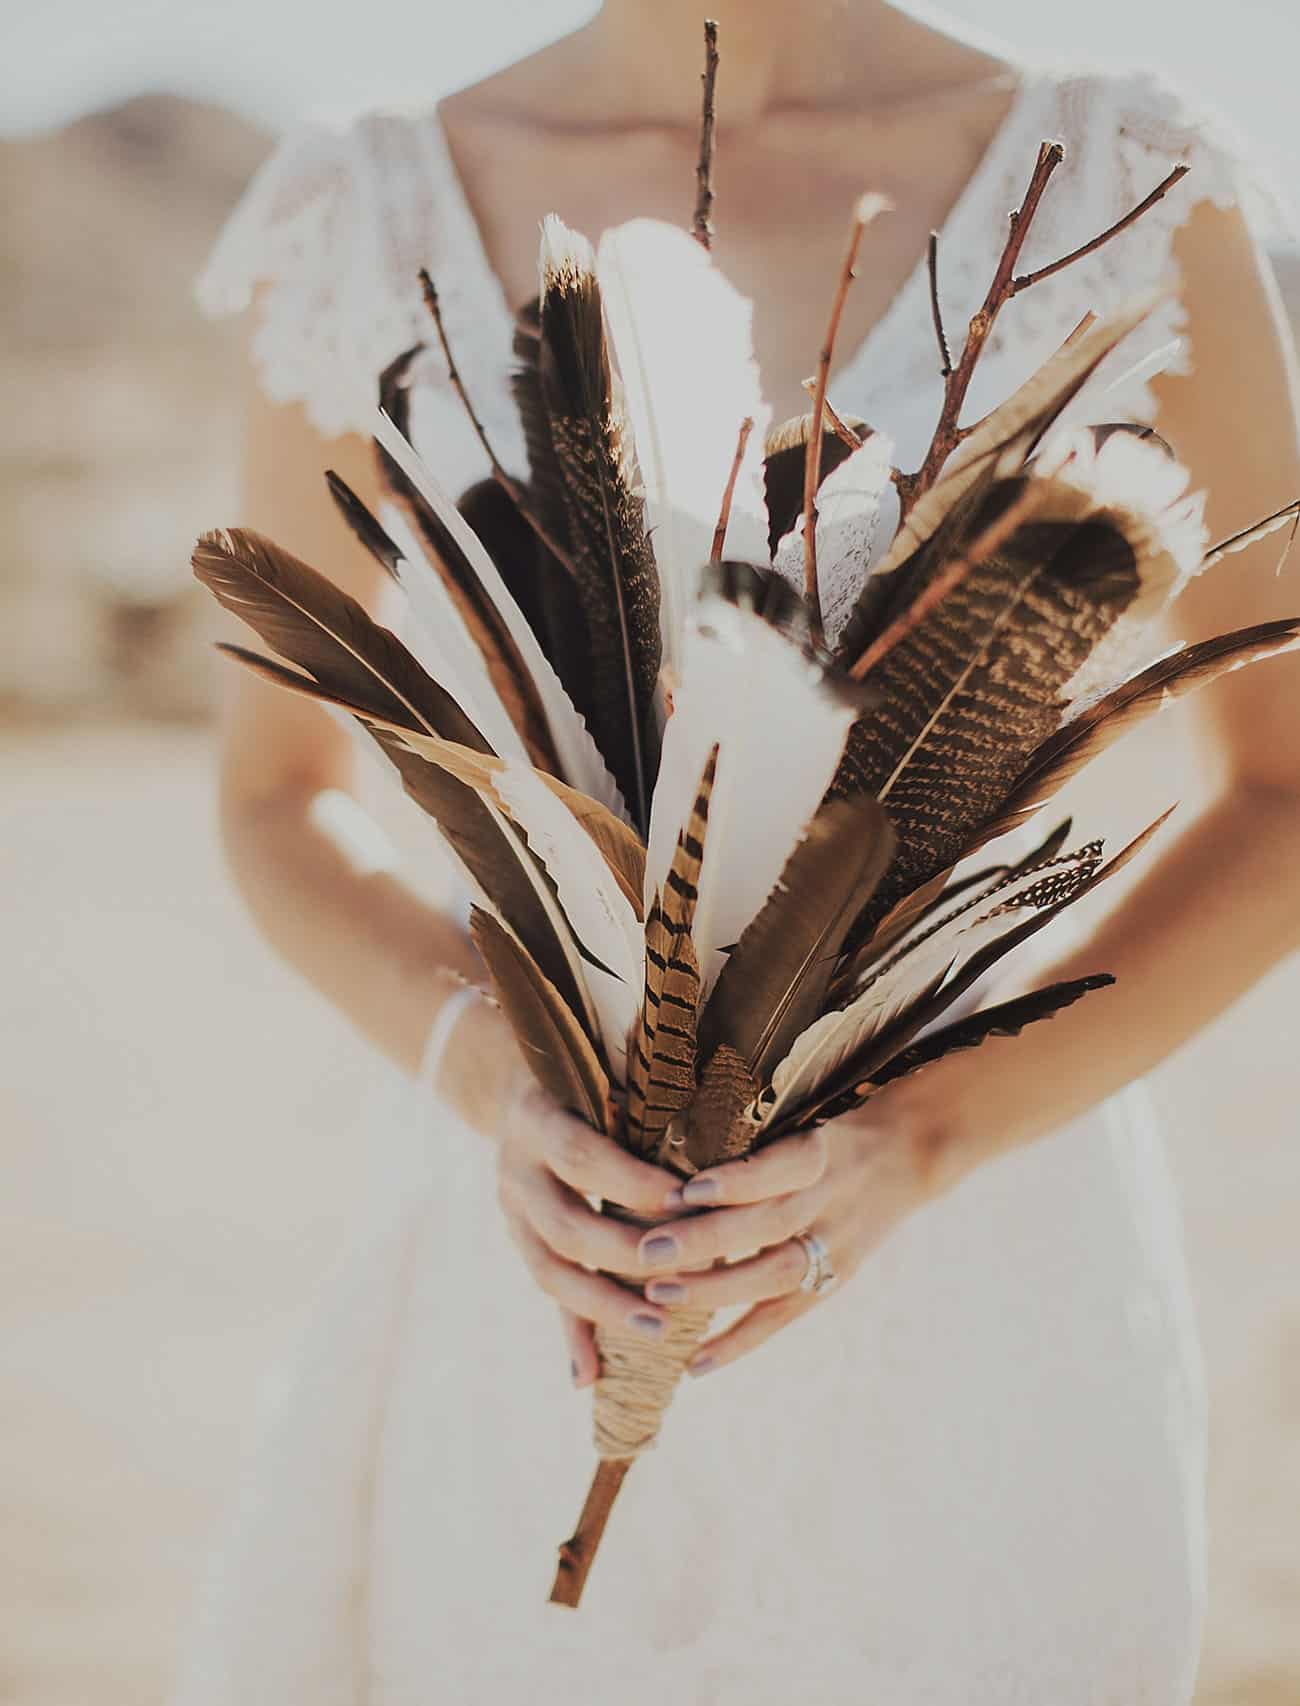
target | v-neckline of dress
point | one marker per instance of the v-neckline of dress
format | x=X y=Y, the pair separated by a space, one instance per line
x=851 y=374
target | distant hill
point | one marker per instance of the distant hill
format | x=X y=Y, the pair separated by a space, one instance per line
x=121 y=433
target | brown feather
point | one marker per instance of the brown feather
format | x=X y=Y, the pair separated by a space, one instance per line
x=775 y=980
x=554 y=1043
x=851 y=1082
x=355 y=663
x=1007 y=1019
x=720 y=1124
x=613 y=564
x=970 y=692
x=1087 y=734
x=661 y=1055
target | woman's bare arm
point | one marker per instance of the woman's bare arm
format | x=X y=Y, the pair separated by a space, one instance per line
x=316 y=874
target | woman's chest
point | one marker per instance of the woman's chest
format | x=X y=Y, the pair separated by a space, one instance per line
x=781 y=214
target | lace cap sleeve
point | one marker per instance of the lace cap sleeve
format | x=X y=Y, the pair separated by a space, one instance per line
x=1123 y=133
x=334 y=228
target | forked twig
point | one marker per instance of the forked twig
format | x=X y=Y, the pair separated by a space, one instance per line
x=866 y=209
x=724 y=514
x=701 y=225
x=1161 y=190
x=1007 y=283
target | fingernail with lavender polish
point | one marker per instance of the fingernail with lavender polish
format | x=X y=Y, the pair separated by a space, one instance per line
x=701 y=1190
x=674 y=1199
x=650 y=1325
x=665 y=1291
x=660 y=1248
x=701 y=1365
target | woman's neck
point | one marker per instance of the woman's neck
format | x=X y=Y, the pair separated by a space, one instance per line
x=646 y=56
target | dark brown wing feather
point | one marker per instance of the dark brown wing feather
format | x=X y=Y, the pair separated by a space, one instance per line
x=555 y=1045
x=775 y=980
x=613 y=563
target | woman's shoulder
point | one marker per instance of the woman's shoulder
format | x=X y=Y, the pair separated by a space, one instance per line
x=330 y=235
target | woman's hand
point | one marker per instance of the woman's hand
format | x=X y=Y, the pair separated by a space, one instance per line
x=850 y=1182
x=548 y=1164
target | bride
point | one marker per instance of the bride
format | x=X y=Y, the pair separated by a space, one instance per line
x=973 y=1473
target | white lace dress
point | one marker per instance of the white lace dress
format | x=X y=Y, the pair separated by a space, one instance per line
x=973 y=1477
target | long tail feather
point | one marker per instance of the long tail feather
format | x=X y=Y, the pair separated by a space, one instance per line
x=662 y=1054
x=555 y=1044
x=613 y=564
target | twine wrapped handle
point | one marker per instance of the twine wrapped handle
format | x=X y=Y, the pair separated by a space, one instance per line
x=637 y=1380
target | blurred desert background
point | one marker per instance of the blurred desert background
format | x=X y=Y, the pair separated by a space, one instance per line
x=183 y=1128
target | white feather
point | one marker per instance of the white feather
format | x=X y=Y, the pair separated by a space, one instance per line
x=440 y=641
x=578 y=753
x=599 y=912
x=680 y=336
x=857 y=513
x=780 y=732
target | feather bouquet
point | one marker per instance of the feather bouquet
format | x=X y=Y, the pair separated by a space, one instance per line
x=712 y=837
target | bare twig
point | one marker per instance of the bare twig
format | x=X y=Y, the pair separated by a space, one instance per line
x=838 y=425
x=724 y=514
x=577 y=1553
x=702 y=226
x=992 y=539
x=947 y=434
x=1161 y=190
x=936 y=313
x=1007 y=283
x=511 y=486
x=868 y=206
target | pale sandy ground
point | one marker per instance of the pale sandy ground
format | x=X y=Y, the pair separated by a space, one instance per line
x=182 y=1133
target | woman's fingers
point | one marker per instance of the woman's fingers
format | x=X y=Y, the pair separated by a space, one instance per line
x=591 y=1162
x=697 y=1240
x=591 y=1297
x=774 y=1273
x=580 y=1337
x=752 y=1330
x=567 y=1223
x=790 y=1164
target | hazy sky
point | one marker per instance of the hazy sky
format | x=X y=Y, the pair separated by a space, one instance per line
x=277 y=59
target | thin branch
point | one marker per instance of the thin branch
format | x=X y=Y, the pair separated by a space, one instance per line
x=866 y=209
x=994 y=536
x=947 y=434
x=511 y=486
x=838 y=425
x=702 y=226
x=724 y=514
x=936 y=313
x=578 y=1551
x=1161 y=190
